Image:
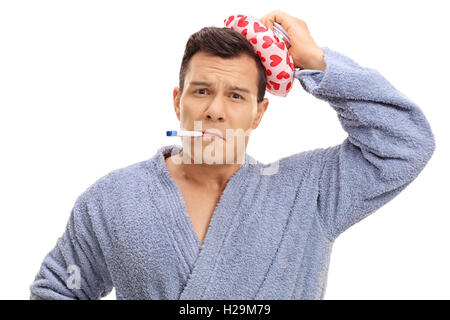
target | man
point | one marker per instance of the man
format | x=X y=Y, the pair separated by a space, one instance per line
x=171 y=227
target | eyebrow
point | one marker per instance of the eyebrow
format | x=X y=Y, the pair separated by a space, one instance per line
x=209 y=84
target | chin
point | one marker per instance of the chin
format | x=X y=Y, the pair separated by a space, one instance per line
x=212 y=152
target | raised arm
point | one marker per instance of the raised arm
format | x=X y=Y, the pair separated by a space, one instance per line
x=389 y=141
x=75 y=268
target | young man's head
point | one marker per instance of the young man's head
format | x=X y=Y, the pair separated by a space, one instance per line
x=222 y=86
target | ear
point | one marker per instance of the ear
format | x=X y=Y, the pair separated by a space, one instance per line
x=262 y=107
x=176 y=101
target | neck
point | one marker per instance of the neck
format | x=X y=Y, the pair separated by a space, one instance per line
x=209 y=176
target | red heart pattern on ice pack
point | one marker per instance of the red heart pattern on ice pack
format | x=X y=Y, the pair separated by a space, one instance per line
x=272 y=52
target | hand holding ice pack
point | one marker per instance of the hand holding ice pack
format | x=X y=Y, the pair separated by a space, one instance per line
x=273 y=53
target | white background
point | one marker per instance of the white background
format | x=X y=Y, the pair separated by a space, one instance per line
x=86 y=88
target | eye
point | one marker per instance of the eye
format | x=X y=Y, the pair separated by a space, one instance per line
x=235 y=94
x=199 y=90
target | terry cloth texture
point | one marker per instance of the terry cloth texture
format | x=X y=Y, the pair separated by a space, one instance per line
x=271 y=235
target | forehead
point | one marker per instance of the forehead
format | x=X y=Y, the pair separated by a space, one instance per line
x=239 y=71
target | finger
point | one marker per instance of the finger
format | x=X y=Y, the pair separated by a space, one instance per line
x=268 y=22
x=279 y=17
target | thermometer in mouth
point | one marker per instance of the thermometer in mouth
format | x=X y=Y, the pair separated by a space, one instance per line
x=184 y=133
x=188 y=133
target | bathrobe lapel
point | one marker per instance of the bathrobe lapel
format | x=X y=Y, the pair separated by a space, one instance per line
x=223 y=218
x=201 y=259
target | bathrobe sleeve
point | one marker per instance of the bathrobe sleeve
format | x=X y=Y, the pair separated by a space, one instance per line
x=389 y=141
x=75 y=268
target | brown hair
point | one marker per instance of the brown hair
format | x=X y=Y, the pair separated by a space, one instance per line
x=226 y=43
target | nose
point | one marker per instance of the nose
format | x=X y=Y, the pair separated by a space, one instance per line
x=214 y=117
x=215 y=110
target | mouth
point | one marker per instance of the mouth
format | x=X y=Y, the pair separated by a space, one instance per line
x=212 y=134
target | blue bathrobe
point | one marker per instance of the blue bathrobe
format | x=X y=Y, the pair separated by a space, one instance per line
x=271 y=233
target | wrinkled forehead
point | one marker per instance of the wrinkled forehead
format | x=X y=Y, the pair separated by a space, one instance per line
x=236 y=71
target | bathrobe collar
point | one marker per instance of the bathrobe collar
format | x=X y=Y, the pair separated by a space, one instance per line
x=199 y=259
